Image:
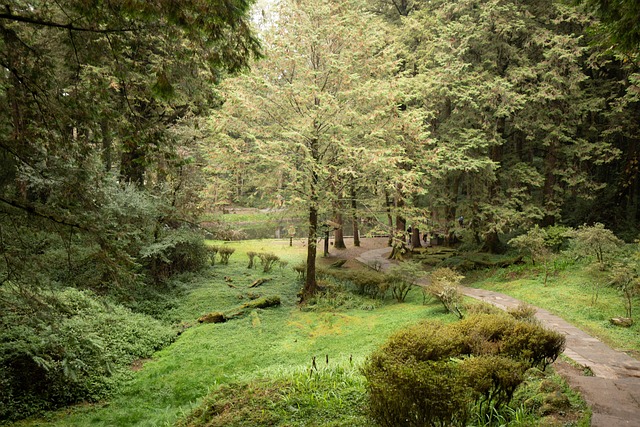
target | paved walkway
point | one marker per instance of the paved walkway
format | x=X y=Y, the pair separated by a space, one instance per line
x=613 y=392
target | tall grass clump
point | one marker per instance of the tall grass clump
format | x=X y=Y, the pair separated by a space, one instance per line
x=324 y=396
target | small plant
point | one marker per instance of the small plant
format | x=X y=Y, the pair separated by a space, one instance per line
x=596 y=240
x=268 y=260
x=625 y=277
x=251 y=256
x=225 y=253
x=301 y=269
x=537 y=245
x=524 y=312
x=213 y=251
x=433 y=374
x=444 y=287
x=403 y=278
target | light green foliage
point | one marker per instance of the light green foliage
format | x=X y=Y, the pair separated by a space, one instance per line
x=598 y=241
x=443 y=285
x=268 y=260
x=328 y=396
x=625 y=276
x=402 y=278
x=225 y=253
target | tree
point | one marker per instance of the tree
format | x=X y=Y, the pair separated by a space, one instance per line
x=596 y=240
x=501 y=90
x=536 y=243
x=319 y=106
x=620 y=22
x=98 y=168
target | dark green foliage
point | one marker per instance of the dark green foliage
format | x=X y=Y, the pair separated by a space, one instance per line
x=365 y=282
x=178 y=251
x=534 y=344
x=82 y=352
x=433 y=374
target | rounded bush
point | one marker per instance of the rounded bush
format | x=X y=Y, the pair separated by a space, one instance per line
x=432 y=374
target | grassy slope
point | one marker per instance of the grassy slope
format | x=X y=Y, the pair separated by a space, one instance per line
x=569 y=294
x=257 y=345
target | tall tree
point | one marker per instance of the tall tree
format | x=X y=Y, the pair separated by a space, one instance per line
x=320 y=105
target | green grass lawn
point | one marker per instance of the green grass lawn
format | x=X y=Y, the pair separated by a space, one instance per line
x=262 y=344
x=263 y=361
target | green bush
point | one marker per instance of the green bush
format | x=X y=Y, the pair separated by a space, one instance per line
x=80 y=351
x=178 y=251
x=268 y=260
x=225 y=253
x=433 y=374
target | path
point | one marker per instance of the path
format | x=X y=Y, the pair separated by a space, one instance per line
x=613 y=392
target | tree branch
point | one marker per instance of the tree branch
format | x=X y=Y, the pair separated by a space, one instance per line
x=71 y=27
x=32 y=211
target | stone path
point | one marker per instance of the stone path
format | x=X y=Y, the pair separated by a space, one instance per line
x=613 y=392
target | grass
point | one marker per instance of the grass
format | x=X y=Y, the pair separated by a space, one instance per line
x=261 y=364
x=246 y=349
x=570 y=294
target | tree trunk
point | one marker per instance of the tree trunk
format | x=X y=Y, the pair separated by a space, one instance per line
x=551 y=161
x=310 y=285
x=387 y=201
x=338 y=234
x=492 y=243
x=132 y=163
x=354 y=207
x=107 y=149
x=415 y=238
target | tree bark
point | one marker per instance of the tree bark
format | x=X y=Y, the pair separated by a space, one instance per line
x=415 y=238
x=354 y=207
x=310 y=285
x=338 y=234
x=387 y=200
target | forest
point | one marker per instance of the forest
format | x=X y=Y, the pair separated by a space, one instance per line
x=128 y=126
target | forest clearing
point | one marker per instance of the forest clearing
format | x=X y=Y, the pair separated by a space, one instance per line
x=272 y=212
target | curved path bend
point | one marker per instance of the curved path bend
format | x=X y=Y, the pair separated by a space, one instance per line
x=613 y=392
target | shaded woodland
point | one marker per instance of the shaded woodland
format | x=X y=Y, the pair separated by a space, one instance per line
x=125 y=124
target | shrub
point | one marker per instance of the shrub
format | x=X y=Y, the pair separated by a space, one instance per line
x=268 y=260
x=251 y=256
x=432 y=374
x=301 y=269
x=225 y=253
x=73 y=354
x=213 y=251
x=444 y=287
x=178 y=251
x=403 y=278
x=596 y=240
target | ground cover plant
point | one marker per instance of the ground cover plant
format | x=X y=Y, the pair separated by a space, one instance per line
x=296 y=366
